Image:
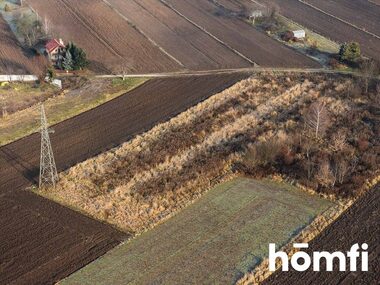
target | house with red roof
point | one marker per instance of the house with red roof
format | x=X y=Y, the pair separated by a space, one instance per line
x=55 y=49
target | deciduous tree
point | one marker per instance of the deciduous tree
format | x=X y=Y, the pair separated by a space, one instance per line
x=317 y=118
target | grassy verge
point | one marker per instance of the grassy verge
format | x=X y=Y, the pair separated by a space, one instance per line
x=67 y=104
x=16 y=96
x=315 y=45
x=216 y=240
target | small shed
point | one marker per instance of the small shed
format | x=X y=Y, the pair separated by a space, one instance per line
x=299 y=34
x=255 y=15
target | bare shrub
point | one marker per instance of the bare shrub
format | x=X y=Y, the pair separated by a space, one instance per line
x=325 y=175
x=339 y=140
x=263 y=154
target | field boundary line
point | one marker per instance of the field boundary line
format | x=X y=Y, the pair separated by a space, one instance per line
x=236 y=70
x=125 y=18
x=373 y=2
x=174 y=31
x=208 y=33
x=85 y=25
x=339 y=19
x=257 y=3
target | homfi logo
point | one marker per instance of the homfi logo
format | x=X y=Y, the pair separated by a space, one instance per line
x=301 y=261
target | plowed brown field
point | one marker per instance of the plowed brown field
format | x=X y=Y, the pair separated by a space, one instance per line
x=150 y=36
x=13 y=60
x=192 y=47
x=42 y=242
x=239 y=35
x=108 y=39
x=360 y=224
x=328 y=26
x=360 y=13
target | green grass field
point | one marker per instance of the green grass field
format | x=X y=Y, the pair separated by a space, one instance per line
x=62 y=107
x=214 y=241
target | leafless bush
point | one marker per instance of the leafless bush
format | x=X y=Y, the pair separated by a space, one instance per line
x=325 y=175
x=339 y=140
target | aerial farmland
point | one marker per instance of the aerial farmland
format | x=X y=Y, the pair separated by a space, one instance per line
x=13 y=60
x=172 y=141
x=331 y=22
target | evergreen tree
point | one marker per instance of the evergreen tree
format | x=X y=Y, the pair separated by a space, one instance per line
x=349 y=52
x=79 y=57
x=7 y=8
x=68 y=61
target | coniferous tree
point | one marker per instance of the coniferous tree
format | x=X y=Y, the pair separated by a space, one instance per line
x=67 y=61
x=79 y=57
x=349 y=52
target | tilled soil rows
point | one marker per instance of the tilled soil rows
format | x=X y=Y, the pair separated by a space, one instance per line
x=328 y=26
x=361 y=13
x=193 y=48
x=13 y=60
x=360 y=224
x=41 y=241
x=239 y=35
x=109 y=40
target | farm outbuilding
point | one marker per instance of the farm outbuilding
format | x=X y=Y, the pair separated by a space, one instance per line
x=255 y=15
x=299 y=34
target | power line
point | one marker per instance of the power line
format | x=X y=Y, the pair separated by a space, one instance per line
x=48 y=169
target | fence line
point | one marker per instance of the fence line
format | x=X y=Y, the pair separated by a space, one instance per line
x=24 y=78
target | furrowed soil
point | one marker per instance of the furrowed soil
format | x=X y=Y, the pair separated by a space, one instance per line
x=360 y=13
x=328 y=26
x=360 y=224
x=109 y=40
x=213 y=241
x=193 y=48
x=13 y=59
x=239 y=35
x=165 y=35
x=42 y=242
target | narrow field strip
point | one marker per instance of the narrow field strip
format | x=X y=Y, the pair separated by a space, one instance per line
x=145 y=35
x=207 y=32
x=214 y=240
x=338 y=18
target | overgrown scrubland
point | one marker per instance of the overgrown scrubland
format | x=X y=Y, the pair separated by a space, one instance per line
x=261 y=126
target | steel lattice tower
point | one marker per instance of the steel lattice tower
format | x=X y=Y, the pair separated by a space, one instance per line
x=48 y=169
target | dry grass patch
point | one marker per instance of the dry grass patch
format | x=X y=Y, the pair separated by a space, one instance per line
x=82 y=94
x=146 y=180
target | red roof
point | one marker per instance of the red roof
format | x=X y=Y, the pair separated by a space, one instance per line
x=52 y=45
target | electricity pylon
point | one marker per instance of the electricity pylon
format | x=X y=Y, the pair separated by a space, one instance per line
x=48 y=169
